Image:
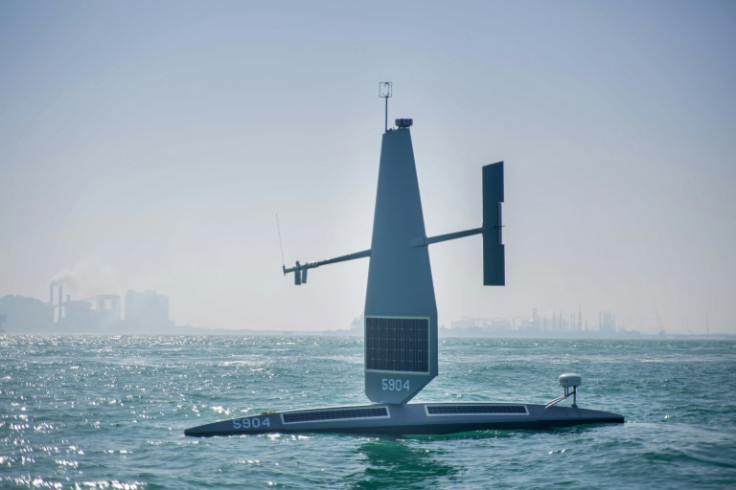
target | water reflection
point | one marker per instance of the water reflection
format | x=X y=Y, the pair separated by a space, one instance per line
x=395 y=463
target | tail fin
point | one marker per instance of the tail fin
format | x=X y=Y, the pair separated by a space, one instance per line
x=494 y=257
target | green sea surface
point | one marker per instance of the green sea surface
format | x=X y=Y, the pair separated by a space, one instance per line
x=110 y=412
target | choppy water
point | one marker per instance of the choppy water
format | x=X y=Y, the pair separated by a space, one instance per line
x=110 y=411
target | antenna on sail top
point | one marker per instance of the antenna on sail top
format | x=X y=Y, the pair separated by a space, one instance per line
x=385 y=91
x=281 y=243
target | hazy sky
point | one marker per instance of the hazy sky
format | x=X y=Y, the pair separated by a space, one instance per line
x=148 y=145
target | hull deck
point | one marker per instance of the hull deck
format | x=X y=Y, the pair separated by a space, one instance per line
x=412 y=418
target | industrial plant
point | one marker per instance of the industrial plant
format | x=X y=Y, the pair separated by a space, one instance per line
x=137 y=312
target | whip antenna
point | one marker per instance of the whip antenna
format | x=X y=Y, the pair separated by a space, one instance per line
x=281 y=244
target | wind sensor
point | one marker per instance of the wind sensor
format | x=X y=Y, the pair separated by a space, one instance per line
x=385 y=90
x=401 y=345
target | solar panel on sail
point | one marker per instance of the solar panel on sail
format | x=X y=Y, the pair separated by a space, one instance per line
x=397 y=344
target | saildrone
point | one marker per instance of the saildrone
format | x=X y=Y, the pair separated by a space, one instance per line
x=400 y=321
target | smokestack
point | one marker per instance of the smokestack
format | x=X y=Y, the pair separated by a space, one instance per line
x=51 y=300
x=61 y=301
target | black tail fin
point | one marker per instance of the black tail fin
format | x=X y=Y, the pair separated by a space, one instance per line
x=494 y=257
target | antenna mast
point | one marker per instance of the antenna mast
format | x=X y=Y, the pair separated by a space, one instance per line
x=385 y=91
x=281 y=243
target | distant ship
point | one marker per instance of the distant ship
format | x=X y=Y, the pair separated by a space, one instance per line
x=400 y=323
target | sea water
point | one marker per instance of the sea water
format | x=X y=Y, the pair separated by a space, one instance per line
x=110 y=412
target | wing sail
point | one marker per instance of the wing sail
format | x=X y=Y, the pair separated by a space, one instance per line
x=400 y=308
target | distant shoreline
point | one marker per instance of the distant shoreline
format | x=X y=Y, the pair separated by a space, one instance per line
x=443 y=334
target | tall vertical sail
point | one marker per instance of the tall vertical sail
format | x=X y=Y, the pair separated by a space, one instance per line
x=400 y=307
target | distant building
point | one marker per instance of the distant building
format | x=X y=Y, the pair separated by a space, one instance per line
x=98 y=314
x=607 y=322
x=23 y=314
x=479 y=326
x=107 y=307
x=145 y=312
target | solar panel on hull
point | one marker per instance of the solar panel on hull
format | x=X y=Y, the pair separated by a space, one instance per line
x=475 y=409
x=341 y=414
x=397 y=344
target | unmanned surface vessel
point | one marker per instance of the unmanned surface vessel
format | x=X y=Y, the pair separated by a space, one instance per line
x=401 y=322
